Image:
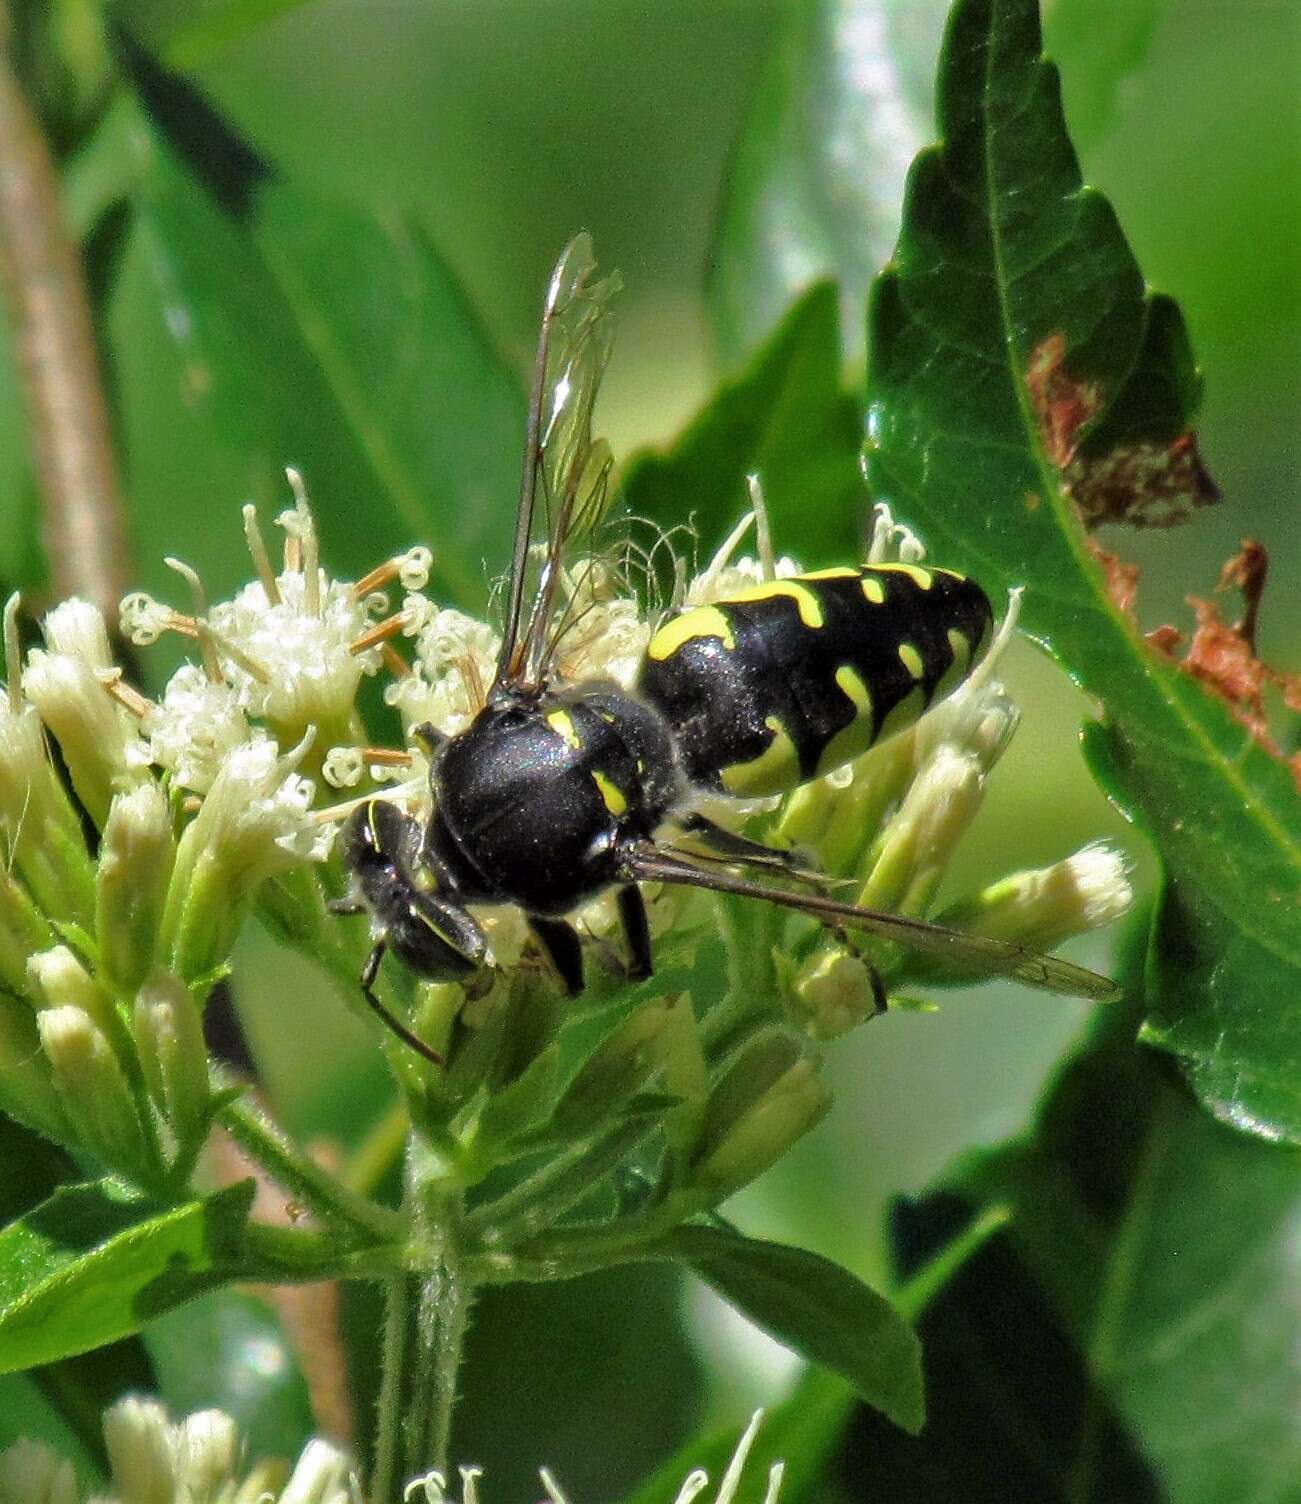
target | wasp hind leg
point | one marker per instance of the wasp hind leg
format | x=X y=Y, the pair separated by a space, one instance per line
x=561 y=946
x=726 y=846
x=369 y=972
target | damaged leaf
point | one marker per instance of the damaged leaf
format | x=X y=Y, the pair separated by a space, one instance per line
x=1023 y=377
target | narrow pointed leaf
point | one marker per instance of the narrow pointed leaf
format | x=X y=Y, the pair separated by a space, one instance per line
x=817 y=1309
x=1022 y=374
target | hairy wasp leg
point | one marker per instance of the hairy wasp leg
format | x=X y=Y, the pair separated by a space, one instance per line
x=739 y=849
x=369 y=972
x=636 y=931
x=562 y=947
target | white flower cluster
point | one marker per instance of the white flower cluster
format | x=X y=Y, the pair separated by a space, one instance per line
x=199 y=1460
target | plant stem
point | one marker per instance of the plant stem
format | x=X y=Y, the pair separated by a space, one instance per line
x=388 y=1433
x=436 y=1206
x=319 y=1191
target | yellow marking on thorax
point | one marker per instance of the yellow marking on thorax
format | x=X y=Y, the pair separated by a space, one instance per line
x=562 y=723
x=912 y=660
x=922 y=578
x=806 y=600
x=776 y=768
x=612 y=795
x=874 y=590
x=703 y=621
x=857 y=736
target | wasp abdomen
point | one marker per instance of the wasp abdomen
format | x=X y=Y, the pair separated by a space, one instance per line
x=785 y=681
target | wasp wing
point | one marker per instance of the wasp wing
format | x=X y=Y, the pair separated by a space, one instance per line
x=976 y=951
x=565 y=481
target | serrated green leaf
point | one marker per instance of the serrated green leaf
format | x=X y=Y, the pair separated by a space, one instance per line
x=227 y=1351
x=817 y=1309
x=842 y=106
x=272 y=326
x=788 y=419
x=94 y=1262
x=1167 y=1246
x=1020 y=370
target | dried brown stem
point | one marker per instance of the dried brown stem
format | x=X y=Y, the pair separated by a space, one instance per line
x=83 y=519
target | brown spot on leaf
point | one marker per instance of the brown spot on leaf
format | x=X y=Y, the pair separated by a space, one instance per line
x=1224 y=657
x=1137 y=482
x=1062 y=404
x=1121 y=579
x=1032 y=501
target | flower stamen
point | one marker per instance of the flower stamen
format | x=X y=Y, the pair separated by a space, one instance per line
x=125 y=694
x=13 y=654
x=396 y=664
x=303 y=527
x=257 y=549
x=207 y=649
x=391 y=626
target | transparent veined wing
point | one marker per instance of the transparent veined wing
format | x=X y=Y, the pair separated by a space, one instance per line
x=564 y=488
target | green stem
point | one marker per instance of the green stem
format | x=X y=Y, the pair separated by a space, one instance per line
x=388 y=1433
x=336 y=1206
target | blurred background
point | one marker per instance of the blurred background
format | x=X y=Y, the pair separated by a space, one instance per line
x=496 y=128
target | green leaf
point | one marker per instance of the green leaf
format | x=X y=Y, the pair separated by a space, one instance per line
x=265 y=325
x=1010 y=1404
x=1167 y=1245
x=227 y=1351
x=814 y=188
x=788 y=419
x=817 y=1309
x=201 y=37
x=94 y=1262
x=802 y=1431
x=1020 y=370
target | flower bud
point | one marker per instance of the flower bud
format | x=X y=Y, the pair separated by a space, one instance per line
x=92 y=1088
x=616 y=1069
x=137 y=1436
x=832 y=993
x=23 y=932
x=168 y=1031
x=1047 y=905
x=135 y=863
x=255 y=822
x=40 y=827
x=31 y=1473
x=57 y=978
x=759 y=1137
x=206 y=1451
x=918 y=841
x=27 y=1091
x=96 y=736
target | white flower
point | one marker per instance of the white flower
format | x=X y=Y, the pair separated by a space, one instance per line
x=193 y=727
x=456 y=656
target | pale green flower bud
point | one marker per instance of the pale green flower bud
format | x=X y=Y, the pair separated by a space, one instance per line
x=618 y=1067
x=23 y=931
x=97 y=737
x=832 y=993
x=27 y=1090
x=918 y=841
x=135 y=864
x=1047 y=905
x=785 y=1113
x=169 y=1040
x=255 y=822
x=137 y=1436
x=57 y=978
x=92 y=1087
x=30 y=1473
x=40 y=827
x=206 y=1452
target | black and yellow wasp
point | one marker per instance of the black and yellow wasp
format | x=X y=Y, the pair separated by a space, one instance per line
x=559 y=791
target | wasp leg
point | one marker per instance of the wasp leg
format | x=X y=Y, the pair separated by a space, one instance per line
x=740 y=850
x=390 y=1021
x=562 y=947
x=345 y=906
x=636 y=931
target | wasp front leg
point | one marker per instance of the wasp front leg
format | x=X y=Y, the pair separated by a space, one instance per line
x=561 y=946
